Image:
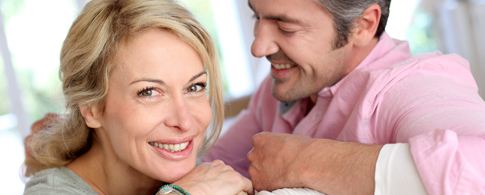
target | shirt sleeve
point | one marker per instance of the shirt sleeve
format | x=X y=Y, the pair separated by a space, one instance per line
x=437 y=110
x=234 y=145
x=396 y=172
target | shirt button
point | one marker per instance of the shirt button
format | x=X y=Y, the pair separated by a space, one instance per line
x=317 y=115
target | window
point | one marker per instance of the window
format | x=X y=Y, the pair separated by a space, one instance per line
x=29 y=85
x=408 y=21
x=36 y=29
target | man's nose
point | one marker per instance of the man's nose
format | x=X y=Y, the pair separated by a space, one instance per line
x=264 y=40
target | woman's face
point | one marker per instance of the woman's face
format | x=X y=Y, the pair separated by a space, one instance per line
x=157 y=110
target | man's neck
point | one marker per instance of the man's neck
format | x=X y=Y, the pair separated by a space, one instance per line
x=358 y=54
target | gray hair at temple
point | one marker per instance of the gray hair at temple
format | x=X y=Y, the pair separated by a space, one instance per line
x=345 y=12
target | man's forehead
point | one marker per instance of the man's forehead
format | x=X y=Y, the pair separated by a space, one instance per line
x=291 y=11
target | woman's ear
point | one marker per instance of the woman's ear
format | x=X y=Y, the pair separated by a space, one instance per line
x=92 y=115
x=367 y=25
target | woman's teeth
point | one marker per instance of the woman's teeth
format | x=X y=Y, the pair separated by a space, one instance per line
x=170 y=147
x=282 y=66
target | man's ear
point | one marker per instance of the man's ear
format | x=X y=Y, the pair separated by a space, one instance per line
x=92 y=115
x=366 y=25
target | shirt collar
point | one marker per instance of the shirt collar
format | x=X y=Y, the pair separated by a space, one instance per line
x=385 y=45
x=292 y=112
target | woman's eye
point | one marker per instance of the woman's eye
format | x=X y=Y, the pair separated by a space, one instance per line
x=196 y=87
x=192 y=88
x=148 y=92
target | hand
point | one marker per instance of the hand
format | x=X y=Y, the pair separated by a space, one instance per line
x=332 y=167
x=36 y=127
x=215 y=178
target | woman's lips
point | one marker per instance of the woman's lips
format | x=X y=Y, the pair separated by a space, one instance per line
x=170 y=147
x=173 y=151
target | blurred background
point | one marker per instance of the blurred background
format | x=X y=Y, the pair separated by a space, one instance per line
x=32 y=32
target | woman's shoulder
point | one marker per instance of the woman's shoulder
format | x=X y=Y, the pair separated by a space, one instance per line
x=59 y=180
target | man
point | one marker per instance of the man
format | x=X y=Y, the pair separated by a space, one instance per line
x=348 y=110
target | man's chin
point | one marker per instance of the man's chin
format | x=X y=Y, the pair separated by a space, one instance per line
x=284 y=96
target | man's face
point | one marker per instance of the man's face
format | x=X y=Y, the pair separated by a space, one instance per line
x=296 y=36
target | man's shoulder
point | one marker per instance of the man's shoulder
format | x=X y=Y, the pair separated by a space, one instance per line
x=57 y=181
x=435 y=63
x=449 y=67
x=414 y=73
x=428 y=60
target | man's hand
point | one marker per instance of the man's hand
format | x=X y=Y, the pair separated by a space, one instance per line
x=36 y=127
x=332 y=167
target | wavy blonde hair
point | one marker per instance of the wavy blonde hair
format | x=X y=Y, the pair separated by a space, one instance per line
x=86 y=56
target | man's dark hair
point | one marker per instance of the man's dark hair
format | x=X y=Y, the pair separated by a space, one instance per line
x=345 y=12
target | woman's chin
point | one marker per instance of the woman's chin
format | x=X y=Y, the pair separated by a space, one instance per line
x=173 y=177
x=174 y=174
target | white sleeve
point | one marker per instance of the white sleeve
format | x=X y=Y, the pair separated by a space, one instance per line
x=396 y=172
x=291 y=191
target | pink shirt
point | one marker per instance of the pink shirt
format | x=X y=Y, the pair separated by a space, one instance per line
x=429 y=101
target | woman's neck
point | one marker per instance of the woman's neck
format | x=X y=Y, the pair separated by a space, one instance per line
x=107 y=174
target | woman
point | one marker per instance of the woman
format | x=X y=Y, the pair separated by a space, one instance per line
x=134 y=77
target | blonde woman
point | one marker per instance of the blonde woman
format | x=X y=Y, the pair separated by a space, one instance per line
x=142 y=84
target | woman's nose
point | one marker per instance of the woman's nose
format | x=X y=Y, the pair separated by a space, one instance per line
x=179 y=116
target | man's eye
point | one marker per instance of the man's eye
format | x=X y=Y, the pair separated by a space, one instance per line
x=255 y=17
x=286 y=32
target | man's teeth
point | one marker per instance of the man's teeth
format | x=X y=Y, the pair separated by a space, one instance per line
x=170 y=147
x=282 y=66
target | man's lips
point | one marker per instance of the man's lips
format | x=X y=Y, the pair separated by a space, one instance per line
x=281 y=66
x=282 y=71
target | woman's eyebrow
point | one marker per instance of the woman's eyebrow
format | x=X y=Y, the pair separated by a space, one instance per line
x=197 y=76
x=161 y=82
x=148 y=80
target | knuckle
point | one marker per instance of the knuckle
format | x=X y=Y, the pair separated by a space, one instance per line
x=257 y=186
x=237 y=178
x=257 y=138
x=251 y=156
x=252 y=171
x=217 y=163
x=229 y=168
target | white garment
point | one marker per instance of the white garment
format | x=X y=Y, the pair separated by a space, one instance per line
x=396 y=173
x=291 y=191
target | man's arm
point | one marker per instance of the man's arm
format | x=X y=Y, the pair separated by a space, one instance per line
x=444 y=124
x=331 y=167
x=440 y=115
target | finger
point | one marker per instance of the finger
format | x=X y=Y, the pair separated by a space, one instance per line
x=257 y=138
x=251 y=156
x=40 y=124
x=248 y=186
x=242 y=193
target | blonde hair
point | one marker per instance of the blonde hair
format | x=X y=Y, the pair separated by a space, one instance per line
x=90 y=46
